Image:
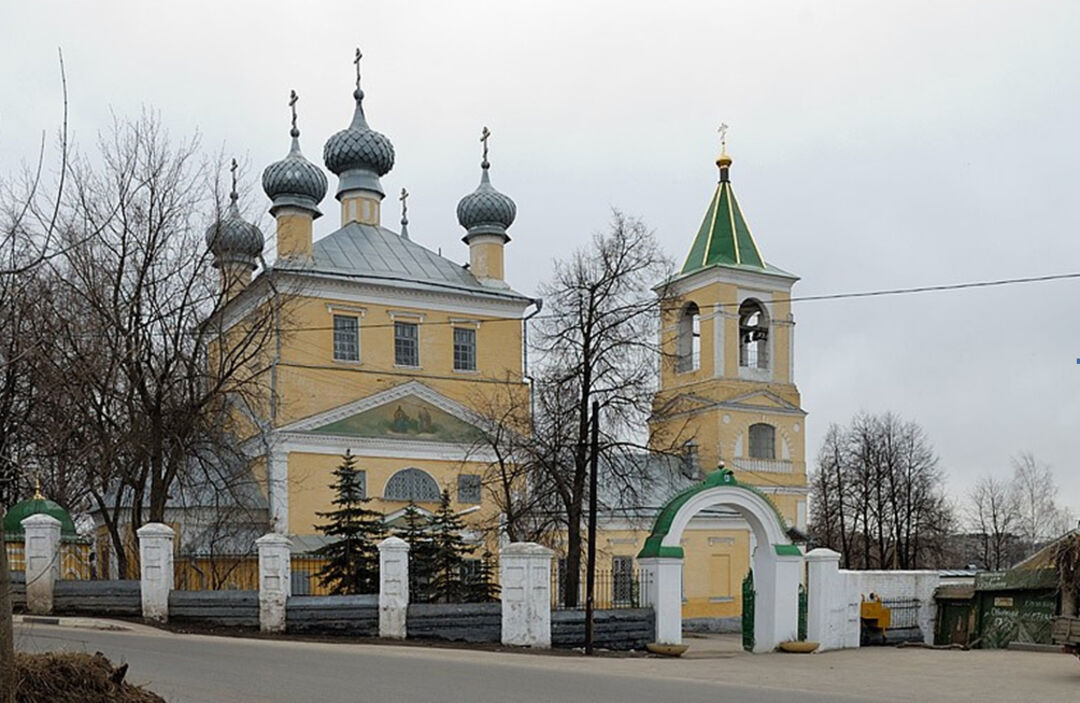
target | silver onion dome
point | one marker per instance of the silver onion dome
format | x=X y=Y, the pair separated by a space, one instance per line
x=233 y=240
x=486 y=210
x=294 y=180
x=359 y=154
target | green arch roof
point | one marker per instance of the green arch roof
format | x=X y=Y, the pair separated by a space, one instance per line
x=37 y=506
x=653 y=546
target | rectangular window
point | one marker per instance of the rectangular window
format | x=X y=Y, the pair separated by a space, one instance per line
x=468 y=487
x=361 y=480
x=464 y=349
x=406 y=344
x=346 y=338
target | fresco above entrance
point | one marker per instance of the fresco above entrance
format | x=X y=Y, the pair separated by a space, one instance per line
x=406 y=418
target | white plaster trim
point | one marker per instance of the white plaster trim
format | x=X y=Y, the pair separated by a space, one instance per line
x=758 y=512
x=774 y=282
x=406 y=315
x=335 y=308
x=375 y=447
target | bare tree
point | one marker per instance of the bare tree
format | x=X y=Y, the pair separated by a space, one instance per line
x=597 y=341
x=149 y=373
x=1040 y=517
x=878 y=495
x=994 y=516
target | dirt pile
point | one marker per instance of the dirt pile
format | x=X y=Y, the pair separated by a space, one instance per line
x=74 y=678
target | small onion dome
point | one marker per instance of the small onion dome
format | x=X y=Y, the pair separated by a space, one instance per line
x=486 y=210
x=358 y=155
x=723 y=161
x=38 y=505
x=233 y=240
x=294 y=181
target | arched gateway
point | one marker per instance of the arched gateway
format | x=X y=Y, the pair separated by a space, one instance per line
x=777 y=563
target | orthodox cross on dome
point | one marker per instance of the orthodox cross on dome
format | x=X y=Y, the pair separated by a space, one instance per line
x=404 y=198
x=233 y=169
x=722 y=130
x=357 y=62
x=484 y=136
x=293 y=97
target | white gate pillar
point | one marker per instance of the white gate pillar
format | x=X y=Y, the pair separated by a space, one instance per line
x=525 y=583
x=275 y=582
x=393 y=587
x=42 y=550
x=663 y=592
x=776 y=603
x=156 y=569
x=826 y=599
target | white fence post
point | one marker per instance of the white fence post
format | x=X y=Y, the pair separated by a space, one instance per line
x=275 y=581
x=393 y=587
x=826 y=599
x=525 y=580
x=42 y=550
x=663 y=593
x=156 y=569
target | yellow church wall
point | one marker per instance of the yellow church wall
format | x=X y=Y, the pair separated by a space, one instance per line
x=311 y=381
x=310 y=476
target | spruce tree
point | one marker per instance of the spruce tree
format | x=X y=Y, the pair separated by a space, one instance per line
x=421 y=553
x=353 y=558
x=449 y=557
x=482 y=586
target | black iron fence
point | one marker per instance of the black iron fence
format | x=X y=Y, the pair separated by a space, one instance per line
x=624 y=588
x=904 y=613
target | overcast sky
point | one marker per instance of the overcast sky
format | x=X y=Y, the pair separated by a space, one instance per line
x=875 y=145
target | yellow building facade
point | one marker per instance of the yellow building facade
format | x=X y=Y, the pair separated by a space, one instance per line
x=389 y=350
x=382 y=347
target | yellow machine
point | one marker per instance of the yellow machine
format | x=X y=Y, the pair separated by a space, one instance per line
x=876 y=618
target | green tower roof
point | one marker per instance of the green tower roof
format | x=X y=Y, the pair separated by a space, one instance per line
x=724 y=238
x=36 y=506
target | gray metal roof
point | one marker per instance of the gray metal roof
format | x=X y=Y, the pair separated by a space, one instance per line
x=367 y=251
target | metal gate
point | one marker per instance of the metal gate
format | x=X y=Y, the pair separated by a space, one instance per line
x=748 y=594
x=802 y=613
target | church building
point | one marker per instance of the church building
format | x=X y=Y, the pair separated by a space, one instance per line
x=388 y=349
x=385 y=347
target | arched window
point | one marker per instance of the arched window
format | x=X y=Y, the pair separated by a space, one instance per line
x=688 y=344
x=412 y=484
x=753 y=335
x=762 y=441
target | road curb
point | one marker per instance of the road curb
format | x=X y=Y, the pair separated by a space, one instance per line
x=79 y=623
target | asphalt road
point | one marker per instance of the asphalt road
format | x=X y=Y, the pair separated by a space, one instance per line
x=195 y=668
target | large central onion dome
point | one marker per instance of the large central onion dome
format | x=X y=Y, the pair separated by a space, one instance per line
x=232 y=239
x=486 y=210
x=359 y=154
x=294 y=181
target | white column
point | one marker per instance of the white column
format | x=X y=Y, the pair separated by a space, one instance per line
x=42 y=550
x=663 y=591
x=826 y=599
x=776 y=603
x=278 y=489
x=525 y=582
x=275 y=584
x=393 y=587
x=156 y=569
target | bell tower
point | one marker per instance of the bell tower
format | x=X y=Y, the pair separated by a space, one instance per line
x=727 y=381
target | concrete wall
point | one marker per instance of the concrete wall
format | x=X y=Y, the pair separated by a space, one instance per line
x=230 y=608
x=622 y=629
x=457 y=622
x=357 y=616
x=898 y=585
x=122 y=598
